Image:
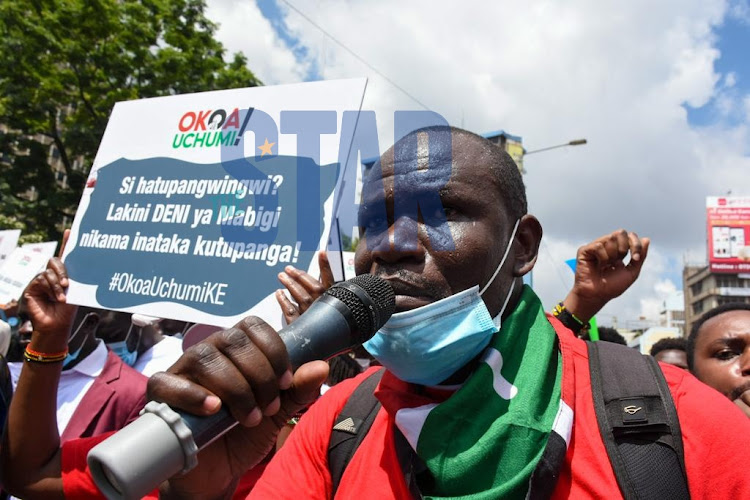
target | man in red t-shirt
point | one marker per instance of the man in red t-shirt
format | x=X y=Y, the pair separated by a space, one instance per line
x=485 y=212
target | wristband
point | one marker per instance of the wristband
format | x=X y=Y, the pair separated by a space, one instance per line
x=41 y=357
x=292 y=421
x=569 y=319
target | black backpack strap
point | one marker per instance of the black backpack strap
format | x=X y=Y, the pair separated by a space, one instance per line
x=351 y=426
x=638 y=423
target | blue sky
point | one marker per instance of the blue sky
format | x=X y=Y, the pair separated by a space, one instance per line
x=733 y=42
x=270 y=10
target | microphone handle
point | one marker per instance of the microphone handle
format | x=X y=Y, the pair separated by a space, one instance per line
x=317 y=335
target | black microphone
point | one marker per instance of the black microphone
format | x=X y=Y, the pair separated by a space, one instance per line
x=163 y=442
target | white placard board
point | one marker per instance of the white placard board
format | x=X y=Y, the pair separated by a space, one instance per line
x=8 y=242
x=46 y=248
x=18 y=269
x=196 y=202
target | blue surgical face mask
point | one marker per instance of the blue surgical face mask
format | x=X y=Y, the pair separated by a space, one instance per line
x=72 y=356
x=121 y=348
x=428 y=344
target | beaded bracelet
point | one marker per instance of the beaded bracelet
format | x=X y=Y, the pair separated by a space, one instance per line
x=569 y=319
x=40 y=357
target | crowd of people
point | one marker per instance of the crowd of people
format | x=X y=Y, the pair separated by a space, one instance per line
x=482 y=393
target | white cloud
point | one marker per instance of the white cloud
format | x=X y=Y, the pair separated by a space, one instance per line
x=617 y=73
x=242 y=28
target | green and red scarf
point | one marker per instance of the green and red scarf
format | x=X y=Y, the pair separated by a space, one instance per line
x=486 y=439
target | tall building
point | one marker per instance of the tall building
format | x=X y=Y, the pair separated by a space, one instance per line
x=705 y=290
x=672 y=312
x=512 y=144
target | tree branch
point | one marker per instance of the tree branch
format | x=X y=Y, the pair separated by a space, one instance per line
x=60 y=146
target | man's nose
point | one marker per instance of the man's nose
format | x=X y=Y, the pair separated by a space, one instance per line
x=745 y=362
x=401 y=240
x=26 y=328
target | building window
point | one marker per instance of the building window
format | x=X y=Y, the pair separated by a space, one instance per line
x=728 y=281
x=732 y=300
x=698 y=307
x=696 y=288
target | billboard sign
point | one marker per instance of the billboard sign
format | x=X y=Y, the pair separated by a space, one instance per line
x=728 y=234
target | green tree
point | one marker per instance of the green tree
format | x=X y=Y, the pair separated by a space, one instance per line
x=349 y=244
x=65 y=63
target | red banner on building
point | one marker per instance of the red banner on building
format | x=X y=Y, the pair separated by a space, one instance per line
x=728 y=234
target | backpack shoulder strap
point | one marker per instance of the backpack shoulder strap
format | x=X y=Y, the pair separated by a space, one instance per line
x=638 y=423
x=351 y=426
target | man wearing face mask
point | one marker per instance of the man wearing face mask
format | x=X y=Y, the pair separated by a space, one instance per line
x=96 y=392
x=164 y=349
x=491 y=396
x=138 y=341
x=121 y=335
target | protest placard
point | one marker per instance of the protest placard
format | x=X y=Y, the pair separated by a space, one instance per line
x=18 y=269
x=196 y=202
x=8 y=242
x=46 y=248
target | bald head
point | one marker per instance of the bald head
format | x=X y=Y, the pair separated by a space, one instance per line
x=452 y=145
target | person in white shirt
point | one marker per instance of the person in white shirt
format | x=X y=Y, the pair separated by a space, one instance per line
x=4 y=338
x=145 y=348
x=96 y=392
x=160 y=356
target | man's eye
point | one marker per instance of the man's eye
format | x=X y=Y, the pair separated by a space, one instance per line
x=449 y=212
x=442 y=213
x=725 y=355
x=373 y=222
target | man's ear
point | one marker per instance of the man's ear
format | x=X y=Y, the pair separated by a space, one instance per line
x=90 y=324
x=527 y=242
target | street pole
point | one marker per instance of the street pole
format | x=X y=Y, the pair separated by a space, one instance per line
x=574 y=142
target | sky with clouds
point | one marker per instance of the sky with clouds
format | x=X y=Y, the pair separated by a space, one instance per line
x=661 y=91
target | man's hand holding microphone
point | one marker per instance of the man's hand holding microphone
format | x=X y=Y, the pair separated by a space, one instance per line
x=248 y=374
